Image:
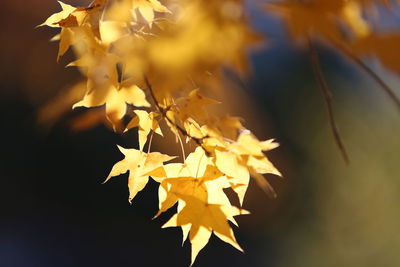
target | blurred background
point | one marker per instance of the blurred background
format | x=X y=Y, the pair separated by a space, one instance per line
x=55 y=211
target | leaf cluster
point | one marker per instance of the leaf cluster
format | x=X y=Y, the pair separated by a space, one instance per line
x=150 y=60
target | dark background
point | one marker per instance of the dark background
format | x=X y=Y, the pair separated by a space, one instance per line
x=54 y=211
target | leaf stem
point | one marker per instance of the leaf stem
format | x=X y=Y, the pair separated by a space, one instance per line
x=150 y=142
x=182 y=148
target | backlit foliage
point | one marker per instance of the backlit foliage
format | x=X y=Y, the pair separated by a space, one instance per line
x=150 y=59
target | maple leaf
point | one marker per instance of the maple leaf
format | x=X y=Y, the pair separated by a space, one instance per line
x=228 y=126
x=54 y=19
x=146 y=122
x=115 y=100
x=248 y=144
x=72 y=34
x=170 y=188
x=66 y=36
x=194 y=178
x=245 y=158
x=205 y=219
x=147 y=7
x=193 y=106
x=91 y=16
x=75 y=23
x=230 y=164
x=138 y=163
x=100 y=68
x=188 y=178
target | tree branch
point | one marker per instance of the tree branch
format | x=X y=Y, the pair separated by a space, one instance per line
x=327 y=98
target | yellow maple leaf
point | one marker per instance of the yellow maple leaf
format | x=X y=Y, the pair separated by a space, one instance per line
x=230 y=164
x=172 y=187
x=66 y=35
x=205 y=219
x=228 y=126
x=115 y=100
x=100 y=67
x=147 y=8
x=138 y=163
x=73 y=21
x=146 y=122
x=248 y=144
x=53 y=20
x=208 y=188
x=245 y=158
x=193 y=106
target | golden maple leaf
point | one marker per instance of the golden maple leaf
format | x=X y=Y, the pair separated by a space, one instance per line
x=147 y=8
x=138 y=163
x=146 y=122
x=115 y=100
x=205 y=219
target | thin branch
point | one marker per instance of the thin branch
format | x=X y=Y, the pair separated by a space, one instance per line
x=370 y=72
x=327 y=97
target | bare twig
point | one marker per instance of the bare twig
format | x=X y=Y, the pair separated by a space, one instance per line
x=327 y=97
